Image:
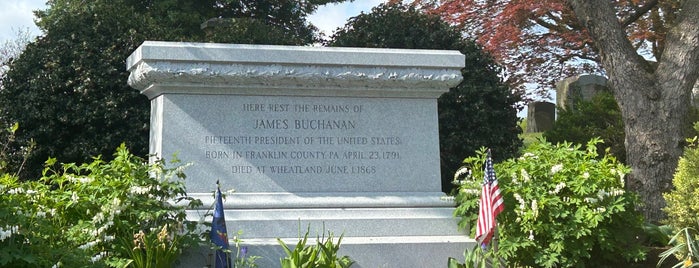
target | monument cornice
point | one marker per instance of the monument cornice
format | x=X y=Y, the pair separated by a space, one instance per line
x=235 y=69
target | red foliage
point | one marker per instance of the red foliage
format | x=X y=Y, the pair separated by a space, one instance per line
x=541 y=41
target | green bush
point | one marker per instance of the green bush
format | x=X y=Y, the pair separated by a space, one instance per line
x=599 y=117
x=96 y=215
x=683 y=201
x=481 y=110
x=563 y=205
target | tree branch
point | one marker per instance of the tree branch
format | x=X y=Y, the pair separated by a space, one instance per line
x=638 y=13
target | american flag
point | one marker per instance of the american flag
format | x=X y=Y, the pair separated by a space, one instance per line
x=491 y=204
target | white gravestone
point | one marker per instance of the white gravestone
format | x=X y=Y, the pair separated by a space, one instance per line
x=340 y=138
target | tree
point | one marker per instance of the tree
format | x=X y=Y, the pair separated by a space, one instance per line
x=480 y=111
x=11 y=49
x=68 y=90
x=654 y=96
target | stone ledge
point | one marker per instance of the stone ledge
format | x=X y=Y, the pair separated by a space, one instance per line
x=158 y=67
x=329 y=200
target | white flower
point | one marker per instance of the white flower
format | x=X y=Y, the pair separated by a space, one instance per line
x=616 y=192
x=30 y=191
x=98 y=257
x=558 y=188
x=447 y=198
x=116 y=202
x=99 y=217
x=525 y=175
x=520 y=200
x=586 y=175
x=7 y=233
x=531 y=235
x=16 y=191
x=556 y=168
x=528 y=155
x=4 y=234
x=89 y=244
x=58 y=264
x=460 y=172
x=40 y=214
x=535 y=208
x=621 y=179
x=601 y=194
x=139 y=189
x=590 y=200
x=470 y=191
x=99 y=231
x=85 y=180
x=74 y=197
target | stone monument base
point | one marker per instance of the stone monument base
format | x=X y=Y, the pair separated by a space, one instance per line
x=380 y=229
x=341 y=140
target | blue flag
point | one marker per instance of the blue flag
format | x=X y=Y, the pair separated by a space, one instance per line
x=218 y=233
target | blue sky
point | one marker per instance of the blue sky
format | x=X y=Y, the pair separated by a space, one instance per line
x=17 y=15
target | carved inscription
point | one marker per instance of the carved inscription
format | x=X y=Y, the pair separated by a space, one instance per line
x=285 y=138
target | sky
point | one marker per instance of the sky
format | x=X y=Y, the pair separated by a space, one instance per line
x=16 y=15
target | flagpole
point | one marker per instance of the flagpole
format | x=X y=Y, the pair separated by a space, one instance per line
x=218 y=233
x=496 y=238
x=491 y=204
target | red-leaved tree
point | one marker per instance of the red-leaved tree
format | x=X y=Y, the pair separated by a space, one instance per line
x=649 y=49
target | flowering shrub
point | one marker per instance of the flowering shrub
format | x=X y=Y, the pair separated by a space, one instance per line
x=96 y=215
x=563 y=205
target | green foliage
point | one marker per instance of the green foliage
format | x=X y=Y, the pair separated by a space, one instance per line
x=657 y=235
x=596 y=118
x=683 y=201
x=266 y=22
x=476 y=257
x=564 y=206
x=242 y=259
x=685 y=246
x=98 y=214
x=480 y=111
x=322 y=255
x=68 y=89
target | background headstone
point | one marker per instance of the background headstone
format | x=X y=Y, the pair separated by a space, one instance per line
x=540 y=116
x=335 y=139
x=582 y=87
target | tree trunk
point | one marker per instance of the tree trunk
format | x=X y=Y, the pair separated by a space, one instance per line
x=654 y=100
